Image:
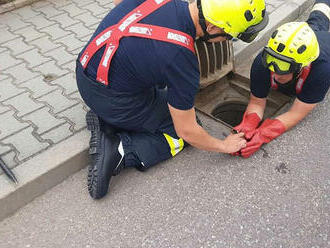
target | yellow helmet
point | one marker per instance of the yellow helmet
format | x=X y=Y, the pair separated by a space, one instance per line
x=242 y=19
x=291 y=47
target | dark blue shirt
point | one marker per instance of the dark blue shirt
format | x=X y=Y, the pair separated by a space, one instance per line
x=140 y=64
x=316 y=84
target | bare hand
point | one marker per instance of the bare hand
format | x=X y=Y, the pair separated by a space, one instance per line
x=234 y=143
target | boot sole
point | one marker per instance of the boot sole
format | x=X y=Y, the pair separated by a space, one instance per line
x=93 y=123
x=95 y=188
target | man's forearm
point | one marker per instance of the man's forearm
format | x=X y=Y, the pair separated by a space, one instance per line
x=256 y=105
x=200 y=139
x=298 y=112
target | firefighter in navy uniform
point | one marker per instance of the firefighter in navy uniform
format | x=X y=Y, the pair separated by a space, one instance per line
x=139 y=76
x=296 y=61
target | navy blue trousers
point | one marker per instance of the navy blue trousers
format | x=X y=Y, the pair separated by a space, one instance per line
x=317 y=20
x=147 y=131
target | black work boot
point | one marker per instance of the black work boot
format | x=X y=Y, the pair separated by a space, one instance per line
x=107 y=156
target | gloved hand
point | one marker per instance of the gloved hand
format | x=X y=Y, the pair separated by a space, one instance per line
x=269 y=130
x=249 y=123
x=247 y=126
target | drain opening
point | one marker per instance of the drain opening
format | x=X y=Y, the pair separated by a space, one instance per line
x=230 y=112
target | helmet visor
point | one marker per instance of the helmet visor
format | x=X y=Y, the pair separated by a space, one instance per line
x=252 y=32
x=278 y=63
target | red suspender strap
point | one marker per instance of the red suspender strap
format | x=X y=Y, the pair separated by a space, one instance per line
x=302 y=78
x=300 y=82
x=128 y=26
x=162 y=34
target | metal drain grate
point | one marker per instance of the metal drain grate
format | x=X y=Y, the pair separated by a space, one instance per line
x=215 y=60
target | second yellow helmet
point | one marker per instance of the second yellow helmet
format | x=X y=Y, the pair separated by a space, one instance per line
x=292 y=46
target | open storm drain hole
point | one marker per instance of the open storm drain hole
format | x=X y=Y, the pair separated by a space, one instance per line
x=230 y=112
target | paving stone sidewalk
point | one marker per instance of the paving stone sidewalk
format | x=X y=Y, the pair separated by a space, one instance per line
x=39 y=102
x=40 y=106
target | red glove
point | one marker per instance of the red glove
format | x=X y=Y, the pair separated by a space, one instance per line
x=249 y=123
x=269 y=130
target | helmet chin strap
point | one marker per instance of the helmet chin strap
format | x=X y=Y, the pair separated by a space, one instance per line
x=202 y=23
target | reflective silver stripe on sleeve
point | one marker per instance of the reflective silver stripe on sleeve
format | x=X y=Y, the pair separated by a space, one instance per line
x=324 y=8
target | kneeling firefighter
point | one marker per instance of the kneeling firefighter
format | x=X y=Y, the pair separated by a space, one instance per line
x=296 y=62
x=139 y=76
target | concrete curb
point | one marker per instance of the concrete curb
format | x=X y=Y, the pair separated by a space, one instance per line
x=42 y=172
x=293 y=10
x=15 y=5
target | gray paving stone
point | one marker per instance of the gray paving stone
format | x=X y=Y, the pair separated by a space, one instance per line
x=3 y=76
x=103 y=2
x=86 y=38
x=95 y=8
x=25 y=143
x=21 y=73
x=12 y=21
x=29 y=33
x=80 y=30
x=58 y=134
x=9 y=125
x=76 y=51
x=4 y=149
x=64 y=20
x=60 y=55
x=70 y=66
x=6 y=35
x=40 y=21
x=270 y=8
x=68 y=82
x=72 y=10
x=77 y=115
x=8 y=90
x=50 y=11
x=51 y=69
x=94 y=26
x=60 y=3
x=44 y=120
x=88 y=19
x=44 y=44
x=3 y=49
x=24 y=104
x=277 y=3
x=71 y=42
x=33 y=57
x=57 y=101
x=40 y=4
x=82 y=2
x=38 y=87
x=26 y=12
x=10 y=60
x=17 y=46
x=77 y=97
x=4 y=109
x=2 y=25
x=108 y=6
x=55 y=31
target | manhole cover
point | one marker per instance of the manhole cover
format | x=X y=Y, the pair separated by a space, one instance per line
x=230 y=112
